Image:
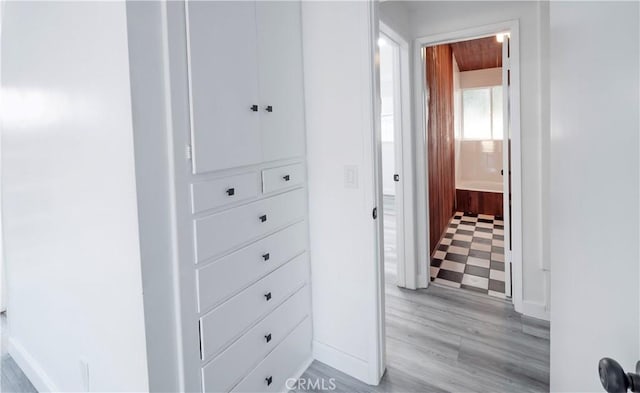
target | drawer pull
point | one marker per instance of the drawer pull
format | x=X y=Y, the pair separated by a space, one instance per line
x=231 y=191
x=269 y=380
x=268 y=337
x=269 y=109
x=254 y=108
x=267 y=296
x=286 y=177
x=266 y=256
x=263 y=218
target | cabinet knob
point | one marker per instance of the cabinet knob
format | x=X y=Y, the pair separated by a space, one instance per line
x=269 y=108
x=268 y=337
x=263 y=218
x=286 y=177
x=266 y=256
x=231 y=191
x=269 y=380
x=267 y=296
x=254 y=108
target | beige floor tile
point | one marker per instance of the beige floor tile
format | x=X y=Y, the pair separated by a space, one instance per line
x=480 y=247
x=464 y=238
x=475 y=281
x=478 y=262
x=453 y=266
x=496 y=275
x=497 y=256
x=458 y=250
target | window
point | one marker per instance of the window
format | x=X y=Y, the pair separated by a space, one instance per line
x=482 y=113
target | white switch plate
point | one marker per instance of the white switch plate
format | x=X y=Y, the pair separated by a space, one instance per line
x=351 y=176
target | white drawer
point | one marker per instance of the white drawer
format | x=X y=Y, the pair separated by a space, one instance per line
x=283 y=177
x=225 y=323
x=234 y=363
x=232 y=273
x=223 y=231
x=219 y=192
x=281 y=364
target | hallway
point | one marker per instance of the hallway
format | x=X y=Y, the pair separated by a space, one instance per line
x=450 y=340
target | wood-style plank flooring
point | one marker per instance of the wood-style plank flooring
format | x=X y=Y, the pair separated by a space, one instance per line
x=448 y=340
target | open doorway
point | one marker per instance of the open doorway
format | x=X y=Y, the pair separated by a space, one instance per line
x=470 y=116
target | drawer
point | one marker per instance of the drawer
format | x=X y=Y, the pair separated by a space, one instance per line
x=234 y=363
x=283 y=177
x=219 y=192
x=225 y=323
x=230 y=274
x=226 y=230
x=281 y=364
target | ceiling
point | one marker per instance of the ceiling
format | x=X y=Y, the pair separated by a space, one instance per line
x=478 y=54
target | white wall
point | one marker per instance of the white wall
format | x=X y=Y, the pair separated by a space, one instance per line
x=395 y=14
x=594 y=197
x=433 y=17
x=69 y=197
x=340 y=120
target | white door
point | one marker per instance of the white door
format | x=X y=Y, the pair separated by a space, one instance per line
x=392 y=163
x=506 y=164
x=223 y=74
x=281 y=79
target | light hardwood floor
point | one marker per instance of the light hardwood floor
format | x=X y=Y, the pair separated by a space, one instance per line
x=449 y=340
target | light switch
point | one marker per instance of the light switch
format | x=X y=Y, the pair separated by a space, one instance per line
x=351 y=176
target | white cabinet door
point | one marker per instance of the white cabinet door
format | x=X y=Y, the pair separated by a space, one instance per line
x=224 y=84
x=280 y=76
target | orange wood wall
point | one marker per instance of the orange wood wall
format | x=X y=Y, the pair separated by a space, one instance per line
x=440 y=141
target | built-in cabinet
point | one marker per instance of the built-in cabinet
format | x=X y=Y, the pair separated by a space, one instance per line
x=246 y=273
x=246 y=83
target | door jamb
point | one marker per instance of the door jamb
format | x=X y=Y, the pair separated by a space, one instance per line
x=420 y=119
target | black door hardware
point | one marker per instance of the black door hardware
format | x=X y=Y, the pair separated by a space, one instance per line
x=267 y=296
x=266 y=256
x=269 y=108
x=396 y=177
x=268 y=337
x=263 y=218
x=231 y=191
x=286 y=177
x=615 y=380
x=269 y=380
x=254 y=108
x=375 y=213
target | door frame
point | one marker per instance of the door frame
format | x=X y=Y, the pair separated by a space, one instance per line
x=406 y=258
x=420 y=119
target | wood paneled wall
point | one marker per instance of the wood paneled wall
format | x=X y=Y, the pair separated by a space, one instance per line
x=479 y=202
x=440 y=140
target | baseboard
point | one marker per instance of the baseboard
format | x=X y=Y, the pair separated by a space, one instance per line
x=39 y=379
x=536 y=310
x=348 y=364
x=296 y=376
